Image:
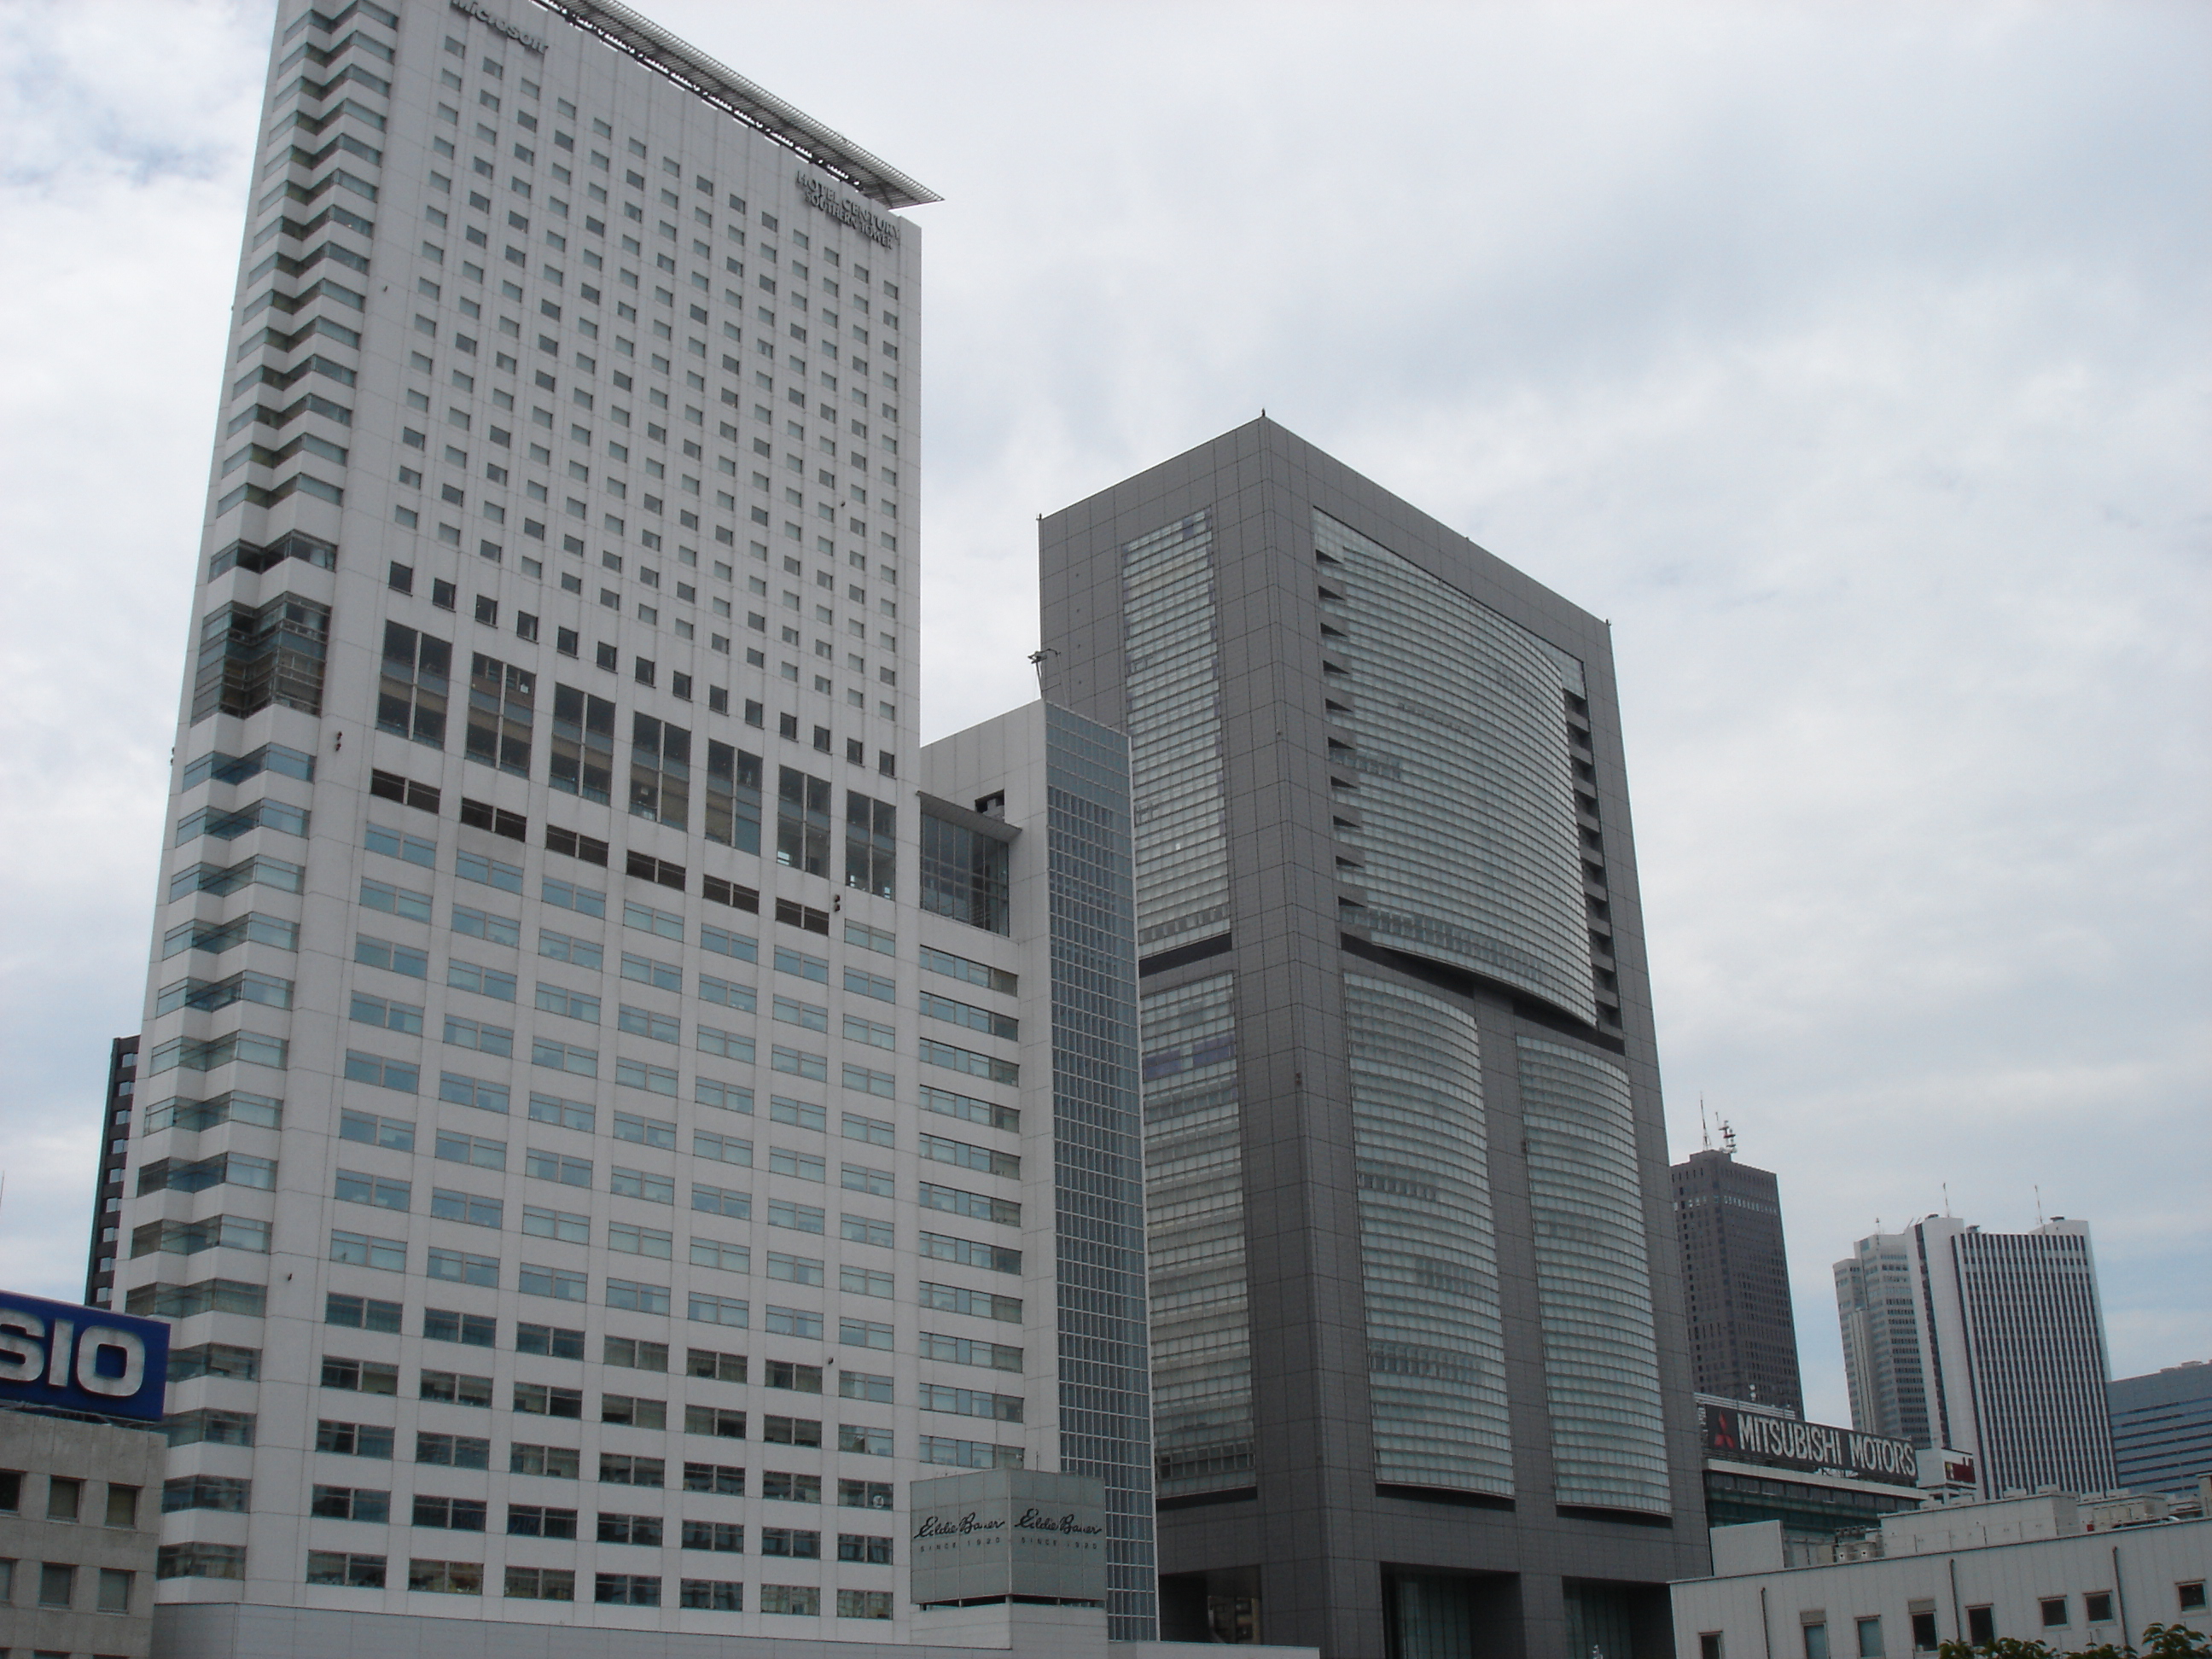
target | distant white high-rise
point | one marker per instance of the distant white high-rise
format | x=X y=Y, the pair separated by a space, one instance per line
x=549 y=909
x=1881 y=1339
x=1988 y=1343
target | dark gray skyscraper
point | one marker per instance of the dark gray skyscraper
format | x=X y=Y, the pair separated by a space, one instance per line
x=1735 y=1274
x=114 y=1153
x=1418 y=1369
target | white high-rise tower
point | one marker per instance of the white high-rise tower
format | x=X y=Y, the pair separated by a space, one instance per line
x=1983 y=1342
x=1883 y=1362
x=607 y=1131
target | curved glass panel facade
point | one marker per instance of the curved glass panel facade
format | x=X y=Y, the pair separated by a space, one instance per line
x=1194 y=1203
x=1593 y=1279
x=1471 y=851
x=1427 y=1241
x=1175 y=735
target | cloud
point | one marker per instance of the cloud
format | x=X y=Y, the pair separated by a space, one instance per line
x=128 y=131
x=135 y=90
x=1849 y=358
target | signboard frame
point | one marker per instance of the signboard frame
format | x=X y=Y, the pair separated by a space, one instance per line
x=65 y=1356
x=1007 y=1535
x=1746 y=1435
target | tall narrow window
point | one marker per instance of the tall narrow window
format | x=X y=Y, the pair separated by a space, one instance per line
x=583 y=761
x=660 y=771
x=802 y=821
x=1593 y=1281
x=1202 y=1423
x=417 y=674
x=502 y=707
x=870 y=844
x=734 y=797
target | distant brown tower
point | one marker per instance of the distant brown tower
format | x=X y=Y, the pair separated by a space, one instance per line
x=1743 y=1339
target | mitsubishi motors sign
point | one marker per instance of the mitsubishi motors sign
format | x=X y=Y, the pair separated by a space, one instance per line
x=1755 y=1436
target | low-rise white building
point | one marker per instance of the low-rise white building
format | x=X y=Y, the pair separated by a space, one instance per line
x=2050 y=1567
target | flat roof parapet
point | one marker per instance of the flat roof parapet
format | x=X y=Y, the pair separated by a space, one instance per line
x=727 y=90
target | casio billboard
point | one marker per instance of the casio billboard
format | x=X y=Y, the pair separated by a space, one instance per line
x=82 y=1359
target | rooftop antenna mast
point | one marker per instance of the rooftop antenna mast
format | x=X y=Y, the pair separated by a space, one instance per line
x=1704 y=1129
x=1727 y=1137
x=2039 y=1206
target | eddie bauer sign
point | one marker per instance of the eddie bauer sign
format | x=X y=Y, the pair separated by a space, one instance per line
x=1787 y=1442
x=1005 y=1534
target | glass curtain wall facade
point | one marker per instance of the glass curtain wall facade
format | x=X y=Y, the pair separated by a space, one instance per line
x=1182 y=849
x=1202 y=1376
x=1419 y=1376
x=1428 y=1241
x=1098 y=1149
x=1048 y=792
x=1469 y=847
x=1194 y=1205
x=1593 y=1280
x=2162 y=1428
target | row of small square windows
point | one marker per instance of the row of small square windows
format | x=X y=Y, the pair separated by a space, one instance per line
x=692 y=450
x=694 y=379
x=635 y=212
x=495 y=69
x=518 y=221
x=635 y=147
x=450 y=534
x=686 y=517
x=446 y=597
x=579 y=471
x=728 y=466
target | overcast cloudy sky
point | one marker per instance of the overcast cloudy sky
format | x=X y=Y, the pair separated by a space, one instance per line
x=1852 y=359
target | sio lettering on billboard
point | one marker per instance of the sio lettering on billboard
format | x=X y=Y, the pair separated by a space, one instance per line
x=73 y=1358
